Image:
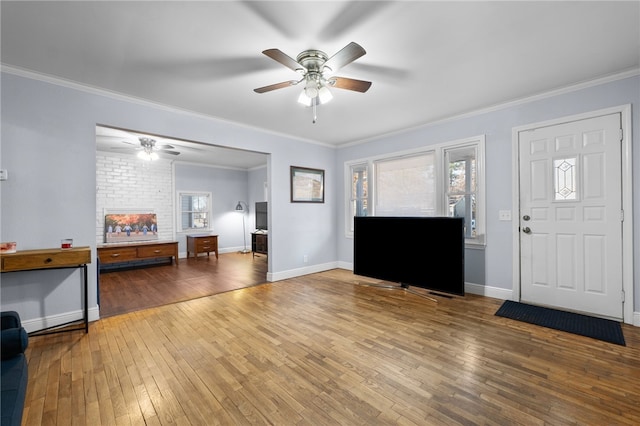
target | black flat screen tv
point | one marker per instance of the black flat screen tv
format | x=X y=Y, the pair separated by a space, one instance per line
x=261 y=216
x=426 y=252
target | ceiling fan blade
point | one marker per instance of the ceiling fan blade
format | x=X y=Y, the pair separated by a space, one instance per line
x=348 y=54
x=165 y=146
x=124 y=148
x=286 y=60
x=350 y=84
x=276 y=86
x=168 y=152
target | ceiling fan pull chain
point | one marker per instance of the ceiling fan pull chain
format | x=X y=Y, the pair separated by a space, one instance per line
x=315 y=106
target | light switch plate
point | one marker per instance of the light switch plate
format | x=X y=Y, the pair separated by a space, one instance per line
x=4 y=174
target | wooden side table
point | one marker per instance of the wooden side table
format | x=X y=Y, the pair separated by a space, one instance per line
x=202 y=243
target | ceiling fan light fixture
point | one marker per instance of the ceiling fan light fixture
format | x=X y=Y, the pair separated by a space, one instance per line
x=324 y=95
x=304 y=99
x=147 y=155
x=317 y=70
x=311 y=88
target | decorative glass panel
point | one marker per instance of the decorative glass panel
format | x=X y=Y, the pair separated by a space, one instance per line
x=565 y=178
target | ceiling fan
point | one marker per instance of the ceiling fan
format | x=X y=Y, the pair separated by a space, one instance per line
x=317 y=70
x=148 y=149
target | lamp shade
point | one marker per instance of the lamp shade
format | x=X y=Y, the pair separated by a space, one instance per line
x=324 y=95
x=304 y=99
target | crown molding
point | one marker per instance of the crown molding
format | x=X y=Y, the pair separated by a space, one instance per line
x=510 y=104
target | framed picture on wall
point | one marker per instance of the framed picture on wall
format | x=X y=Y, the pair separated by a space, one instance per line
x=307 y=185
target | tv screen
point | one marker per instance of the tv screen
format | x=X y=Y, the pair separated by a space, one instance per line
x=261 y=216
x=425 y=252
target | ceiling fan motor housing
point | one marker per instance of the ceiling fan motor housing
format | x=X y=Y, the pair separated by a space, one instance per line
x=147 y=143
x=312 y=60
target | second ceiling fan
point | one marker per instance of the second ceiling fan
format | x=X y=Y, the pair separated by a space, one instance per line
x=317 y=70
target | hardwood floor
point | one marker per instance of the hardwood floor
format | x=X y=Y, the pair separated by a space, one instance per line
x=141 y=288
x=321 y=349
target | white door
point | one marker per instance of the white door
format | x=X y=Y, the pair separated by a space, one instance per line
x=570 y=216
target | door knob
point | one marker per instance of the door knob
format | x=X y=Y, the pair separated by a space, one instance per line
x=526 y=217
x=526 y=230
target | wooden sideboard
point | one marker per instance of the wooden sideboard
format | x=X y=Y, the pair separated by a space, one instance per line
x=119 y=253
x=34 y=260
x=203 y=243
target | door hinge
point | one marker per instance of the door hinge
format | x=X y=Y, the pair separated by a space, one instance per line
x=621 y=135
x=623 y=295
x=621 y=215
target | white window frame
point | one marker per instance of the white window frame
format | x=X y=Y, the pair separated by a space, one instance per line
x=209 y=210
x=440 y=150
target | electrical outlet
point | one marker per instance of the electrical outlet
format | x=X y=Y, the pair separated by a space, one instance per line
x=504 y=215
x=305 y=258
x=4 y=174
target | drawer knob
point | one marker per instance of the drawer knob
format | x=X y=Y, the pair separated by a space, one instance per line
x=156 y=251
x=48 y=260
x=115 y=255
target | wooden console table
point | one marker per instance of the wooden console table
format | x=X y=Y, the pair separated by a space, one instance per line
x=34 y=260
x=118 y=253
x=203 y=243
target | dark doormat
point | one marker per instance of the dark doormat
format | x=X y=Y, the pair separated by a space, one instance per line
x=584 y=325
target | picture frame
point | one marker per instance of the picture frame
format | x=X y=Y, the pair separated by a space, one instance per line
x=307 y=185
x=130 y=227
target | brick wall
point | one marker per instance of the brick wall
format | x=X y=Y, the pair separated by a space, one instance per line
x=128 y=185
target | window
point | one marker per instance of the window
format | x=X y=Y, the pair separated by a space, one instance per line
x=406 y=186
x=359 y=194
x=195 y=210
x=461 y=186
x=443 y=180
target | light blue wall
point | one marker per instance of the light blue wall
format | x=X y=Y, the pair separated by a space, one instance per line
x=497 y=125
x=48 y=147
x=227 y=187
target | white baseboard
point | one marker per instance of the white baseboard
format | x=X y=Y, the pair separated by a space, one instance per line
x=38 y=324
x=484 y=290
x=636 y=319
x=292 y=273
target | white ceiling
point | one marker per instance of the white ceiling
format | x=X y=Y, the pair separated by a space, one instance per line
x=427 y=60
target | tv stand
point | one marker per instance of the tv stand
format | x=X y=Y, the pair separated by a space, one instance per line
x=259 y=243
x=137 y=251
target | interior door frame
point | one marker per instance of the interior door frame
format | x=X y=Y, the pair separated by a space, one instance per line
x=627 y=197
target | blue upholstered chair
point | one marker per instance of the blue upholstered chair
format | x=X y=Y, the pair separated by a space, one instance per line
x=13 y=382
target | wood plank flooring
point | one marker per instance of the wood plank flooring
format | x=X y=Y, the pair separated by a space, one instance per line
x=322 y=350
x=141 y=288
